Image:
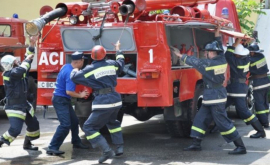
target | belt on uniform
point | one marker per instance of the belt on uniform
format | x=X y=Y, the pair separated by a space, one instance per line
x=14 y=101
x=239 y=80
x=258 y=76
x=103 y=90
x=214 y=86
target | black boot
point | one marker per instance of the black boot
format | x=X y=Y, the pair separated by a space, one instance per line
x=119 y=150
x=240 y=147
x=195 y=146
x=260 y=131
x=106 y=155
x=54 y=152
x=107 y=152
x=1 y=143
x=27 y=145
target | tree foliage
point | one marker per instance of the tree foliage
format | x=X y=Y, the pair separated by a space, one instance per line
x=244 y=10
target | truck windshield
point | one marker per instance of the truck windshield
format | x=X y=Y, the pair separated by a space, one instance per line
x=5 y=31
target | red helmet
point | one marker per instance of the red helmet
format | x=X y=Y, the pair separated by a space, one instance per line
x=98 y=52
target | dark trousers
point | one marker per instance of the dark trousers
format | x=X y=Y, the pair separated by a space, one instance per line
x=261 y=105
x=97 y=120
x=241 y=108
x=217 y=113
x=16 y=124
x=68 y=121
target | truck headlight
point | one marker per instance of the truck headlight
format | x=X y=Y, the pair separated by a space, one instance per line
x=73 y=20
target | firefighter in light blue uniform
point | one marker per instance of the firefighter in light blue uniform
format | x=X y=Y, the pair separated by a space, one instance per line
x=101 y=76
x=17 y=108
x=258 y=71
x=237 y=88
x=214 y=97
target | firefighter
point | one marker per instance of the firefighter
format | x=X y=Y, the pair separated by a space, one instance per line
x=214 y=97
x=64 y=90
x=258 y=70
x=101 y=76
x=17 y=108
x=237 y=89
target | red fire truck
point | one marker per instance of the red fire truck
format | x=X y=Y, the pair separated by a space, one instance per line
x=154 y=81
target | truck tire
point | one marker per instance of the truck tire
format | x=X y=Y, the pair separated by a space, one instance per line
x=182 y=128
x=32 y=92
x=250 y=101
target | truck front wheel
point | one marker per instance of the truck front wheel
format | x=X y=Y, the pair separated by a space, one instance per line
x=181 y=127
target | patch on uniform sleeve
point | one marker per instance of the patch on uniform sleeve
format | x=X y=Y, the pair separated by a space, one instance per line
x=218 y=69
x=261 y=64
x=105 y=71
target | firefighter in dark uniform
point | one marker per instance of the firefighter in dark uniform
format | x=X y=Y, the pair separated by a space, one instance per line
x=101 y=76
x=17 y=108
x=258 y=71
x=237 y=89
x=214 y=97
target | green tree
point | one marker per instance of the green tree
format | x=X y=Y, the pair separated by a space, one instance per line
x=244 y=10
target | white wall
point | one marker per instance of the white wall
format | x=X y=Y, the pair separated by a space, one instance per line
x=263 y=29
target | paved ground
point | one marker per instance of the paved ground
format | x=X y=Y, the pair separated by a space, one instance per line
x=146 y=143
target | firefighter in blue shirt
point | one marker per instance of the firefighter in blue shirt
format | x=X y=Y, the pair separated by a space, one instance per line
x=214 y=97
x=237 y=89
x=17 y=108
x=258 y=71
x=101 y=76
x=64 y=90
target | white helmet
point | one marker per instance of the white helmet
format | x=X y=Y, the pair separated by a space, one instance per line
x=7 y=62
x=241 y=50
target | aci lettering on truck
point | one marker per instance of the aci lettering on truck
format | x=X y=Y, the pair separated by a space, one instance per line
x=54 y=58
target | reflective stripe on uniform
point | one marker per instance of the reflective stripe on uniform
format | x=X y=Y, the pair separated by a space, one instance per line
x=250 y=118
x=6 y=78
x=15 y=113
x=218 y=69
x=107 y=105
x=262 y=112
x=92 y=136
x=198 y=129
x=230 y=50
x=8 y=137
x=214 y=101
x=101 y=69
x=25 y=65
x=258 y=62
x=115 y=130
x=261 y=86
x=28 y=52
x=237 y=94
x=228 y=132
x=33 y=134
x=120 y=56
x=185 y=59
x=244 y=67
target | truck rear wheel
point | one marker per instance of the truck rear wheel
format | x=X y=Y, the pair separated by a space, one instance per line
x=182 y=128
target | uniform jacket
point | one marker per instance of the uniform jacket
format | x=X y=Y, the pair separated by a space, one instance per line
x=102 y=74
x=258 y=66
x=212 y=71
x=16 y=87
x=239 y=68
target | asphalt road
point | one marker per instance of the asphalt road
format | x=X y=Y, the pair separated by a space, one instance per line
x=146 y=143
